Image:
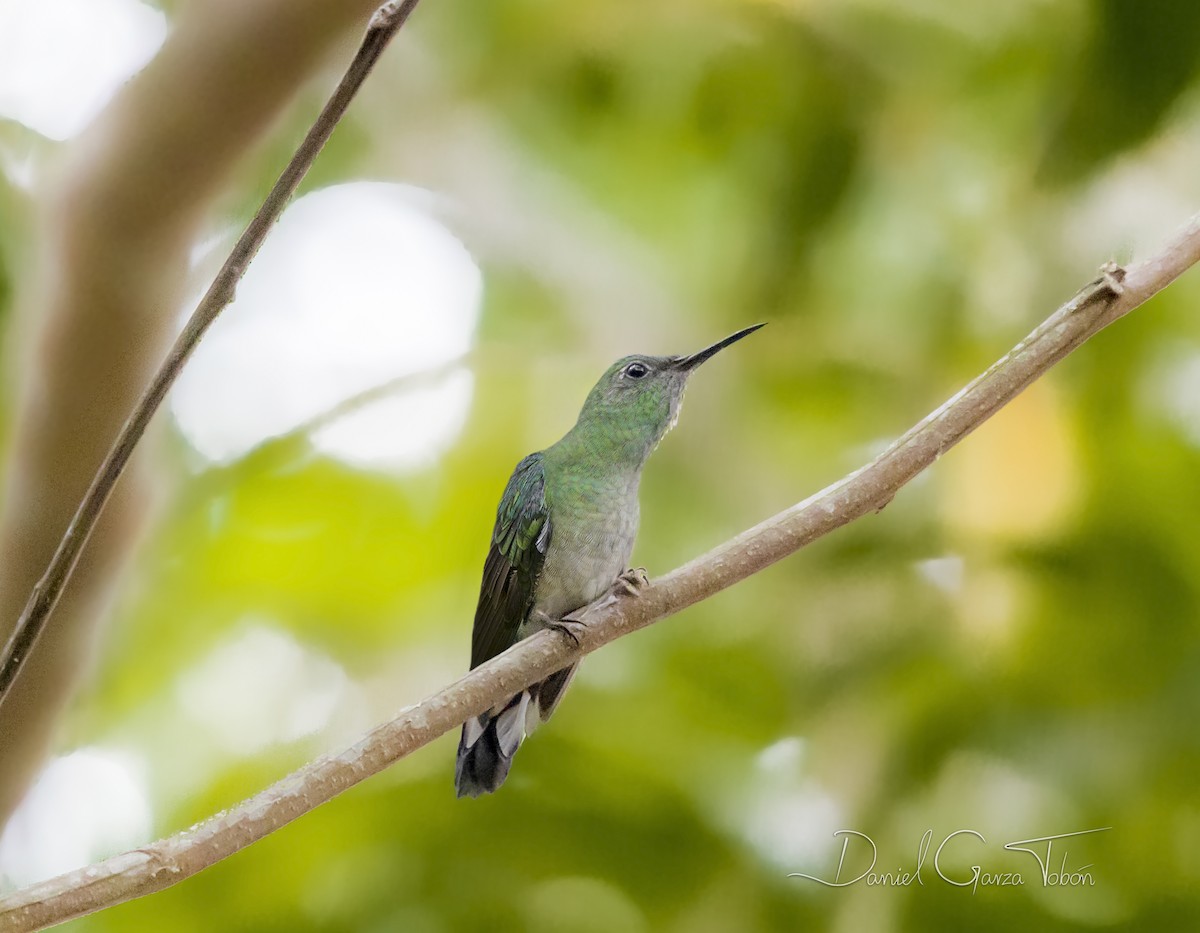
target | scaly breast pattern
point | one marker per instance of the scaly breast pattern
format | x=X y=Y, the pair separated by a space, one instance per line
x=593 y=526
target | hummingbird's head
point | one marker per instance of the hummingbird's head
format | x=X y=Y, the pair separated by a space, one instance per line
x=637 y=401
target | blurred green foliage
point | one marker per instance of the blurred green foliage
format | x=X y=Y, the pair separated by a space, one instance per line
x=1012 y=646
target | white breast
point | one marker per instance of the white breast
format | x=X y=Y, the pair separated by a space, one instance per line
x=590 y=547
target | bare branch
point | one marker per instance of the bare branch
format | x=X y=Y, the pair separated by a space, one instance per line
x=142 y=871
x=384 y=24
x=116 y=218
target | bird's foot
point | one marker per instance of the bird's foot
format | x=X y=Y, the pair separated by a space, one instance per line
x=571 y=628
x=631 y=582
x=572 y=625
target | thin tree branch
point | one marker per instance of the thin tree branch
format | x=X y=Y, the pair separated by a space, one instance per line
x=384 y=24
x=406 y=382
x=143 y=871
x=107 y=251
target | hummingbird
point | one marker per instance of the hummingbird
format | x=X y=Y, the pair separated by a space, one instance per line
x=563 y=537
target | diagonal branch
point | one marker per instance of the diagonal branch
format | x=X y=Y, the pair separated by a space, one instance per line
x=108 y=247
x=144 y=871
x=384 y=24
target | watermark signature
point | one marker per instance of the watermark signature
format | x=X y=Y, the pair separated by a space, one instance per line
x=1042 y=849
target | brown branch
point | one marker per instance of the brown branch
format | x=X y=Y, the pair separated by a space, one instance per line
x=114 y=225
x=384 y=24
x=143 y=871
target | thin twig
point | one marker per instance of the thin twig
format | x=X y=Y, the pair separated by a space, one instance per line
x=384 y=24
x=143 y=871
x=406 y=382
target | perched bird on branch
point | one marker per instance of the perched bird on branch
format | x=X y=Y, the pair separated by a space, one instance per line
x=563 y=536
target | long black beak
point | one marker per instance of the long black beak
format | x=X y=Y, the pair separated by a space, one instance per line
x=691 y=362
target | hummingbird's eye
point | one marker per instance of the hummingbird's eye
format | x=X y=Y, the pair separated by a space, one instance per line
x=636 y=370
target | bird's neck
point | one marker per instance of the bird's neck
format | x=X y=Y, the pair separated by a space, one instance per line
x=608 y=444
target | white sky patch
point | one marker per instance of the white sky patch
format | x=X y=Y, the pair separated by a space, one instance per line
x=356 y=287
x=61 y=61
x=21 y=169
x=786 y=816
x=946 y=573
x=261 y=688
x=794 y=829
x=433 y=414
x=84 y=806
x=781 y=759
x=1172 y=388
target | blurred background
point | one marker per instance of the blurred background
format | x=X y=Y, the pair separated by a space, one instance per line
x=522 y=193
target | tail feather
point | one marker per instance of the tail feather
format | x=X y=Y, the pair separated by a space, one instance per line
x=487 y=746
x=489 y=741
x=550 y=691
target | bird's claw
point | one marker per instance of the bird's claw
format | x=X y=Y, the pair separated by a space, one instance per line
x=631 y=582
x=571 y=629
